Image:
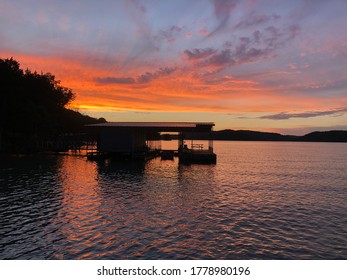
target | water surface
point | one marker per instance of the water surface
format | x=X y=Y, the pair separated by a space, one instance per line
x=262 y=200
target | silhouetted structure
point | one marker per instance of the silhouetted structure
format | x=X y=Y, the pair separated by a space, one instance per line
x=141 y=140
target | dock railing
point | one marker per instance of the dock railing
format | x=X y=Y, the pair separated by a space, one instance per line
x=197 y=147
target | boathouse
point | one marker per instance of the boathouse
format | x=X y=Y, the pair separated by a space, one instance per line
x=141 y=140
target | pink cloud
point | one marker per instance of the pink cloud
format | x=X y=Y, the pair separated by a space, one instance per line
x=203 y=32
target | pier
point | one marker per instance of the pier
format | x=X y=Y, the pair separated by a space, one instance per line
x=142 y=141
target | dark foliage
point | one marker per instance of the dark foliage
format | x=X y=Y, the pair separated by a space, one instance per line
x=32 y=109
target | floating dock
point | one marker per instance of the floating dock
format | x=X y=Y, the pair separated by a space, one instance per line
x=196 y=156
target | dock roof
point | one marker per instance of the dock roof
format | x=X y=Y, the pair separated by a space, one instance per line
x=160 y=126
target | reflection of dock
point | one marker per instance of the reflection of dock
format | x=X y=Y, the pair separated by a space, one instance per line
x=168 y=154
x=142 y=141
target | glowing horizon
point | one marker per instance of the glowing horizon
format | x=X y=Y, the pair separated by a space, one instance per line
x=242 y=64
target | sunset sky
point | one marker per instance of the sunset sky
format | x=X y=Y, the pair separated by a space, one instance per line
x=270 y=65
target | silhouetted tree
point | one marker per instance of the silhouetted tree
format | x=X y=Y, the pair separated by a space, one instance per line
x=33 y=108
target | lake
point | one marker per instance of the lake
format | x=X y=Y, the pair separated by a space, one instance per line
x=262 y=200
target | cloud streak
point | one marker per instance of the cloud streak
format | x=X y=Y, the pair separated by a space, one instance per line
x=311 y=114
x=196 y=54
x=222 y=11
x=169 y=35
x=141 y=79
x=115 y=80
x=255 y=20
x=149 y=76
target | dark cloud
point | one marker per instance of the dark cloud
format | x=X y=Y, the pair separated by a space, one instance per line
x=272 y=36
x=196 y=54
x=145 y=78
x=149 y=76
x=276 y=37
x=115 y=80
x=260 y=45
x=245 y=52
x=142 y=79
x=311 y=114
x=256 y=36
x=224 y=57
x=255 y=19
x=170 y=34
x=242 y=52
x=292 y=31
x=237 y=56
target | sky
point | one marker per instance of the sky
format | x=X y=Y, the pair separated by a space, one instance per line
x=268 y=65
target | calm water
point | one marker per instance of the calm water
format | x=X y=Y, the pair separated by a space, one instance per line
x=262 y=200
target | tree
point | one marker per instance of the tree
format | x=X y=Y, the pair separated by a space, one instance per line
x=33 y=107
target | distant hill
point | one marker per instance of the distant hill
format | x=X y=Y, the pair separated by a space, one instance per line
x=325 y=136
x=249 y=135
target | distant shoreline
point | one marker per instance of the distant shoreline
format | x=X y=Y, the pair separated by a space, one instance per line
x=333 y=136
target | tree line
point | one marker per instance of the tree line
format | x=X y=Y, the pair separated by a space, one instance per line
x=33 y=110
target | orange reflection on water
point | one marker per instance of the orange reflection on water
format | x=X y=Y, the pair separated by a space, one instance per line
x=80 y=204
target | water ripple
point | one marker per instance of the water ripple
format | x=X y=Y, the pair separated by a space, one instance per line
x=260 y=201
